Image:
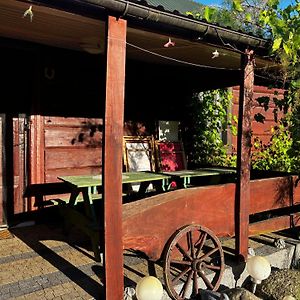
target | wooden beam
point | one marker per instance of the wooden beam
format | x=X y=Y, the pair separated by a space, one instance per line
x=243 y=154
x=274 y=224
x=37 y=153
x=112 y=157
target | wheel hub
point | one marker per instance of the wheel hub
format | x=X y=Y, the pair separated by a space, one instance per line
x=197 y=264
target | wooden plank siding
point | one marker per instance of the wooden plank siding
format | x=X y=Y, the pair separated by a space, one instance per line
x=73 y=146
x=261 y=130
x=61 y=146
x=274 y=224
x=12 y=171
x=36 y=149
x=273 y=193
x=19 y=145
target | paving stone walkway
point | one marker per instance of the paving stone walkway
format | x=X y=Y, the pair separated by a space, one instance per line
x=39 y=262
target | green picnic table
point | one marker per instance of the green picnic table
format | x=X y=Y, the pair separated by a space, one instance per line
x=84 y=188
x=183 y=177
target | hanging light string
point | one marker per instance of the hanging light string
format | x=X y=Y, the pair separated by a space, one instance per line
x=178 y=60
x=199 y=65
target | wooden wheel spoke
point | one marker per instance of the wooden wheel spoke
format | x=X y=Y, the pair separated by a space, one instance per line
x=180 y=275
x=180 y=262
x=206 y=281
x=183 y=252
x=190 y=239
x=209 y=253
x=186 y=285
x=192 y=253
x=195 y=285
x=199 y=244
x=213 y=267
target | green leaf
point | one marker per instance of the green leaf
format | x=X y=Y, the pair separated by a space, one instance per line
x=276 y=44
x=286 y=48
x=236 y=5
x=273 y=2
x=248 y=17
x=208 y=13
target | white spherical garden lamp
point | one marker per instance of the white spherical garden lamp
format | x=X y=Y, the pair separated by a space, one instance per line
x=259 y=269
x=149 y=288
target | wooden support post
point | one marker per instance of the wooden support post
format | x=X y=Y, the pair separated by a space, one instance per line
x=243 y=155
x=112 y=158
x=37 y=154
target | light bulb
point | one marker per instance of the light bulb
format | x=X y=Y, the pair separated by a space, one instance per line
x=149 y=288
x=258 y=268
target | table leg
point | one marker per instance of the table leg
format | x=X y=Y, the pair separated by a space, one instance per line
x=96 y=245
x=186 y=182
x=143 y=188
x=161 y=185
x=88 y=205
x=73 y=197
x=72 y=201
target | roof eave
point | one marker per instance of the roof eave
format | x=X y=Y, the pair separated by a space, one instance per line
x=155 y=18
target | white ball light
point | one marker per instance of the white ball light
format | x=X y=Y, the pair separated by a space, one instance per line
x=289 y=298
x=149 y=288
x=258 y=268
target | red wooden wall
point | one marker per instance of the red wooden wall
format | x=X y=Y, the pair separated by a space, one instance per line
x=261 y=130
x=72 y=146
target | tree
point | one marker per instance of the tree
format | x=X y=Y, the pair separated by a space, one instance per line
x=282 y=27
x=234 y=15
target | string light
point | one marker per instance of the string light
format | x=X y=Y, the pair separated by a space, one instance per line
x=178 y=60
x=195 y=64
x=206 y=66
x=29 y=13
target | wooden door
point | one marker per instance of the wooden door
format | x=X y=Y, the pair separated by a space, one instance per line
x=13 y=137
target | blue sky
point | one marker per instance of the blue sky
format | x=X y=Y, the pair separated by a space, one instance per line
x=218 y=2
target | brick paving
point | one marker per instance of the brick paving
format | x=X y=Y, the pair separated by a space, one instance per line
x=39 y=262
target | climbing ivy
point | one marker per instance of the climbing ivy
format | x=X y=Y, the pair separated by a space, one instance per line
x=209 y=121
x=282 y=26
x=275 y=155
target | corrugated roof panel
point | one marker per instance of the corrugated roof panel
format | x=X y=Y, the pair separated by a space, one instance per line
x=181 y=5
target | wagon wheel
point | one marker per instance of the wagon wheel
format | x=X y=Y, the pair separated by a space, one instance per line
x=193 y=259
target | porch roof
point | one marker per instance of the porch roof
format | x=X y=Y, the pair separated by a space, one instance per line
x=80 y=25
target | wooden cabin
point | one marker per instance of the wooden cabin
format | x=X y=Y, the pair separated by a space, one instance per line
x=70 y=68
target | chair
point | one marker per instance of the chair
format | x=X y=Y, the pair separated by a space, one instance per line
x=138 y=155
x=170 y=156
